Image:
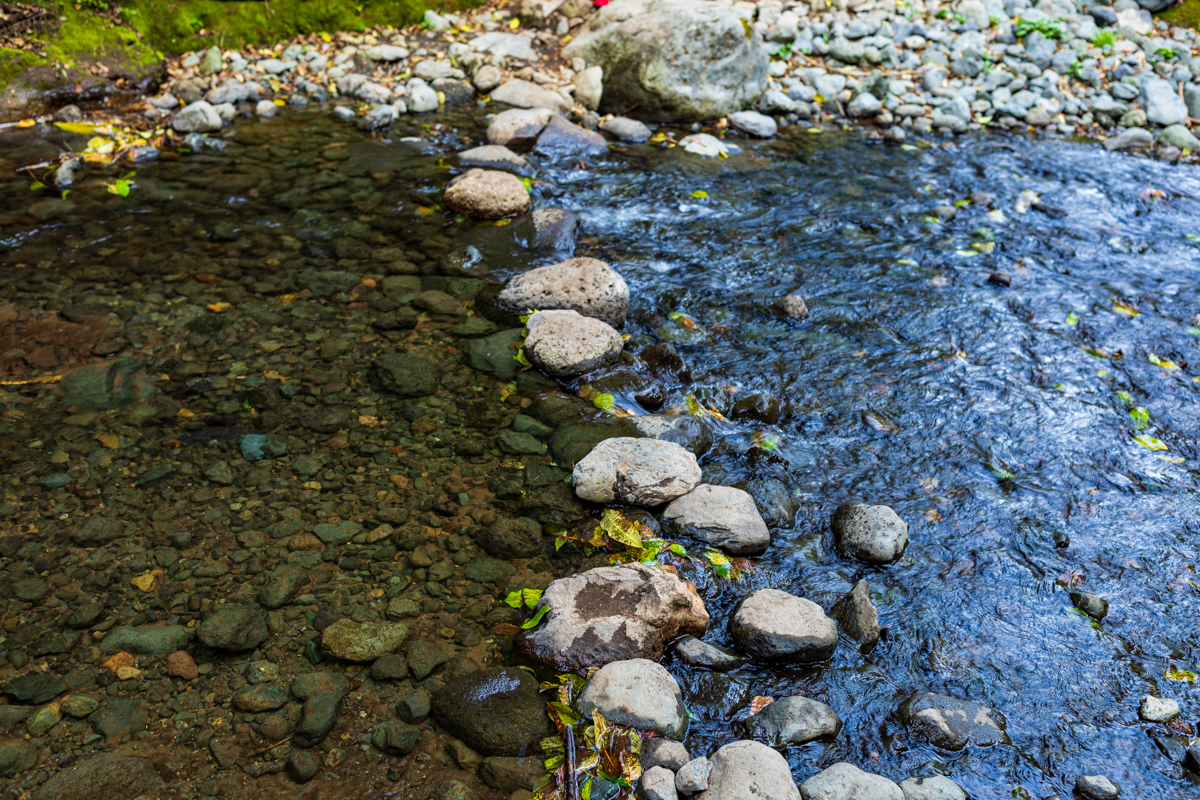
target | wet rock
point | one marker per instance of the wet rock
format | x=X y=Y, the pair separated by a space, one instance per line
x=327 y=282
x=935 y=787
x=586 y=285
x=454 y=91
x=487 y=78
x=233 y=628
x=657 y=783
x=495 y=354
x=12 y=715
x=636 y=472
x=563 y=138
x=488 y=570
x=693 y=776
x=1097 y=787
x=664 y=753
x=264 y=697
x=516 y=443
x=613 y=614
x=771 y=624
x=108 y=775
x=757 y=407
x=639 y=693
x=517 y=123
x=454 y=790
x=1000 y=278
x=689 y=432
x=407 y=376
x=303 y=765
x=425 y=656
x=41 y=721
x=523 y=94
x=322 y=693
x=98 y=531
x=493 y=156
x=1154 y=709
x=147 y=640
x=950 y=723
x=649 y=59
x=79 y=706
x=512 y=538
x=564 y=344
x=16 y=755
x=777 y=505
x=794 y=720
x=508 y=774
x=697 y=653
x=396 y=738
x=389 y=667
x=721 y=516
x=589 y=87
x=555 y=229
x=282 y=584
x=118 y=718
x=847 y=782
x=487 y=194
x=415 y=707
x=226 y=754
x=874 y=534
x=1095 y=607
x=627 y=130
x=367 y=641
x=857 y=615
x=754 y=124
x=1131 y=139
x=747 y=770
x=199 y=117
x=793 y=306
x=573 y=441
x=497 y=712
x=35 y=688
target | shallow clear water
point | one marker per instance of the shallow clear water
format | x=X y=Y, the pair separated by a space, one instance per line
x=978 y=381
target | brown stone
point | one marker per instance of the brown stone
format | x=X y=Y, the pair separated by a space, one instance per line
x=181 y=665
x=487 y=194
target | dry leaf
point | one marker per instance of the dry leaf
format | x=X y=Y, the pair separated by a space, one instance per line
x=759 y=703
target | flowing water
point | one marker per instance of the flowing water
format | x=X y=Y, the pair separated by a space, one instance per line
x=996 y=421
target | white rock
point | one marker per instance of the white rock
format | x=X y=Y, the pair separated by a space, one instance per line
x=421 y=99
x=566 y=344
x=636 y=472
x=847 y=782
x=748 y=770
x=589 y=87
x=509 y=45
x=1154 y=709
x=586 y=285
x=199 y=117
x=721 y=516
x=639 y=693
x=657 y=783
x=772 y=624
x=754 y=124
x=518 y=123
x=693 y=776
x=935 y=787
x=707 y=145
x=266 y=109
x=524 y=94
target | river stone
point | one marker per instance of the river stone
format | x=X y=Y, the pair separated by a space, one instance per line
x=755 y=124
x=1094 y=606
x=636 y=472
x=657 y=783
x=561 y=137
x=638 y=693
x=147 y=640
x=97 y=531
x=684 y=430
x=589 y=87
x=692 y=777
x=1097 y=787
x=35 y=687
x=697 y=653
x=721 y=516
x=950 y=723
x=1131 y=139
x=487 y=194
x=847 y=782
x=407 y=376
x=1162 y=103
x=794 y=720
x=1154 y=709
x=874 y=534
x=494 y=354
x=108 y=775
x=772 y=624
x=565 y=344
x=777 y=504
x=199 y=117
x=935 y=787
x=586 y=285
x=613 y=614
x=1179 y=136
x=627 y=130
x=664 y=753
x=233 y=628
x=673 y=59
x=281 y=585
x=857 y=615
x=512 y=538
x=554 y=229
x=510 y=773
x=747 y=770
x=523 y=94
x=517 y=123
x=16 y=755
x=396 y=738
x=504 y=44
x=264 y=697
x=497 y=712
x=367 y=641
x=492 y=156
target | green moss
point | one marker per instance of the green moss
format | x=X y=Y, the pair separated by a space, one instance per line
x=1187 y=14
x=85 y=37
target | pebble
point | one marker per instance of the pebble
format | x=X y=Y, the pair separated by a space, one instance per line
x=657 y=783
x=1097 y=787
x=692 y=777
x=874 y=534
x=1154 y=709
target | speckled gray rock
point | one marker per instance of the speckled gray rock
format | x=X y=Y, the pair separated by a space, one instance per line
x=684 y=430
x=367 y=641
x=566 y=344
x=657 y=783
x=107 y=775
x=626 y=129
x=935 y=787
x=771 y=624
x=517 y=123
x=1131 y=139
x=692 y=777
x=793 y=720
x=857 y=615
x=664 y=753
x=199 y=117
x=524 y=94
x=1154 y=709
x=613 y=614
x=747 y=770
x=874 y=534
x=697 y=653
x=636 y=472
x=1162 y=103
x=1097 y=787
x=847 y=782
x=492 y=156
x=754 y=124
x=950 y=723
x=586 y=285
x=487 y=194
x=721 y=516
x=639 y=693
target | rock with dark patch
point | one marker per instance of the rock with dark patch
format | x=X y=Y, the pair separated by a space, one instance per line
x=108 y=775
x=770 y=624
x=847 y=782
x=950 y=723
x=857 y=615
x=638 y=693
x=586 y=285
x=233 y=628
x=509 y=773
x=794 y=720
x=687 y=431
x=749 y=770
x=407 y=376
x=697 y=653
x=874 y=534
x=512 y=538
x=555 y=504
x=636 y=472
x=487 y=194
x=720 y=516
x=35 y=688
x=613 y=614
x=574 y=440
x=1094 y=606
x=118 y=718
x=497 y=712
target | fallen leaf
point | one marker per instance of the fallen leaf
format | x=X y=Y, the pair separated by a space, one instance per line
x=219 y=308
x=109 y=441
x=759 y=702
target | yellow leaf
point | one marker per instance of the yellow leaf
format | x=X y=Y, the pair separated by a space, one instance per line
x=1177 y=674
x=279 y=102
x=109 y=441
x=76 y=127
x=1125 y=309
x=99 y=144
x=27 y=123
x=567 y=38
x=1162 y=362
x=619 y=529
x=219 y=308
x=515 y=23
x=147 y=582
x=1149 y=442
x=375 y=593
x=288 y=298
x=184 y=413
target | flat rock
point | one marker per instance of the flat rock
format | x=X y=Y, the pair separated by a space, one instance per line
x=934 y=787
x=636 y=472
x=586 y=285
x=147 y=640
x=774 y=625
x=233 y=628
x=508 y=45
x=950 y=723
x=639 y=693
x=524 y=94
x=613 y=614
x=492 y=156
x=407 y=376
x=517 y=123
x=721 y=516
x=794 y=720
x=874 y=534
x=561 y=137
x=697 y=653
x=857 y=615
x=497 y=712
x=366 y=641
x=487 y=194
x=107 y=775
x=1131 y=139
x=752 y=123
x=847 y=782
x=565 y=344
x=626 y=129
x=747 y=770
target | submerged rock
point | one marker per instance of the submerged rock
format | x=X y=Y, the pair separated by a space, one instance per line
x=565 y=344
x=561 y=137
x=108 y=775
x=874 y=534
x=639 y=693
x=487 y=194
x=847 y=782
x=586 y=285
x=935 y=787
x=517 y=123
x=1097 y=787
x=234 y=628
x=771 y=624
x=636 y=472
x=407 y=376
x=686 y=431
x=794 y=720
x=497 y=712
x=747 y=770
x=950 y=723
x=721 y=516
x=367 y=641
x=697 y=653
x=857 y=615
x=493 y=156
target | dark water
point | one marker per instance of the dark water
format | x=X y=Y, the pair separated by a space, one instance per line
x=1007 y=436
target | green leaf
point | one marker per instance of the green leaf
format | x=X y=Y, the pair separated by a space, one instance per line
x=678 y=550
x=559 y=542
x=1178 y=674
x=565 y=713
x=1072 y=319
x=36 y=185
x=699 y=194
x=65 y=192
x=120 y=187
x=513 y=599
x=554 y=762
x=585 y=790
x=535 y=619
x=1140 y=417
x=1149 y=442
x=531 y=597
x=1194 y=331
x=522 y=359
x=999 y=472
x=528 y=184
x=604 y=402
x=1125 y=396
x=552 y=743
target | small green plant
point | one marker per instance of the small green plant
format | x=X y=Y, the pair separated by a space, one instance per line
x=1166 y=52
x=1050 y=28
x=995 y=19
x=942 y=13
x=1075 y=69
x=1104 y=39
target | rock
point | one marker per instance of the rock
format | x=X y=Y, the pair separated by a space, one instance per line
x=281 y=585
x=303 y=765
x=107 y=775
x=35 y=688
x=657 y=783
x=639 y=693
x=512 y=538
x=589 y=87
x=565 y=345
x=555 y=229
x=1097 y=787
x=950 y=723
x=1095 y=607
x=421 y=98
x=1132 y=139
x=524 y=94
x=79 y=706
x=454 y=790
x=664 y=753
x=147 y=640
x=771 y=624
x=180 y=664
x=793 y=720
x=386 y=52
x=407 y=376
x=495 y=354
x=874 y=534
x=1179 y=136
x=748 y=770
x=863 y=105
x=707 y=145
x=267 y=109
x=263 y=697
x=487 y=194
x=199 y=117
x=760 y=407
x=935 y=787
x=649 y=54
x=508 y=45
x=508 y=774
x=692 y=777
x=322 y=693
x=627 y=130
x=16 y=756
x=847 y=782
x=98 y=531
x=1154 y=709
x=492 y=156
x=776 y=503
x=721 y=516
x=487 y=78
x=586 y=285
x=793 y=306
x=636 y=472
x=755 y=124
x=690 y=433
x=367 y=641
x=233 y=628
x=613 y=614
x=517 y=123
x=415 y=708
x=1162 y=103
x=497 y=712
x=697 y=653
x=561 y=137
x=857 y=615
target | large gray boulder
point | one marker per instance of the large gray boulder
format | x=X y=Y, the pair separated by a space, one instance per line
x=748 y=770
x=565 y=344
x=586 y=285
x=721 y=516
x=772 y=624
x=636 y=472
x=1162 y=103
x=639 y=693
x=673 y=59
x=847 y=782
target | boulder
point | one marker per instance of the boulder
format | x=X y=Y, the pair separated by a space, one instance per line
x=847 y=782
x=857 y=615
x=366 y=641
x=517 y=123
x=497 y=712
x=613 y=614
x=638 y=693
x=108 y=775
x=874 y=534
x=636 y=472
x=793 y=720
x=721 y=516
x=586 y=285
x=565 y=345
x=950 y=723
x=754 y=124
x=234 y=628
x=487 y=194
x=199 y=117
x=512 y=538
x=524 y=94
x=492 y=156
x=935 y=787
x=673 y=59
x=772 y=624
x=747 y=770
x=510 y=773
x=561 y=137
